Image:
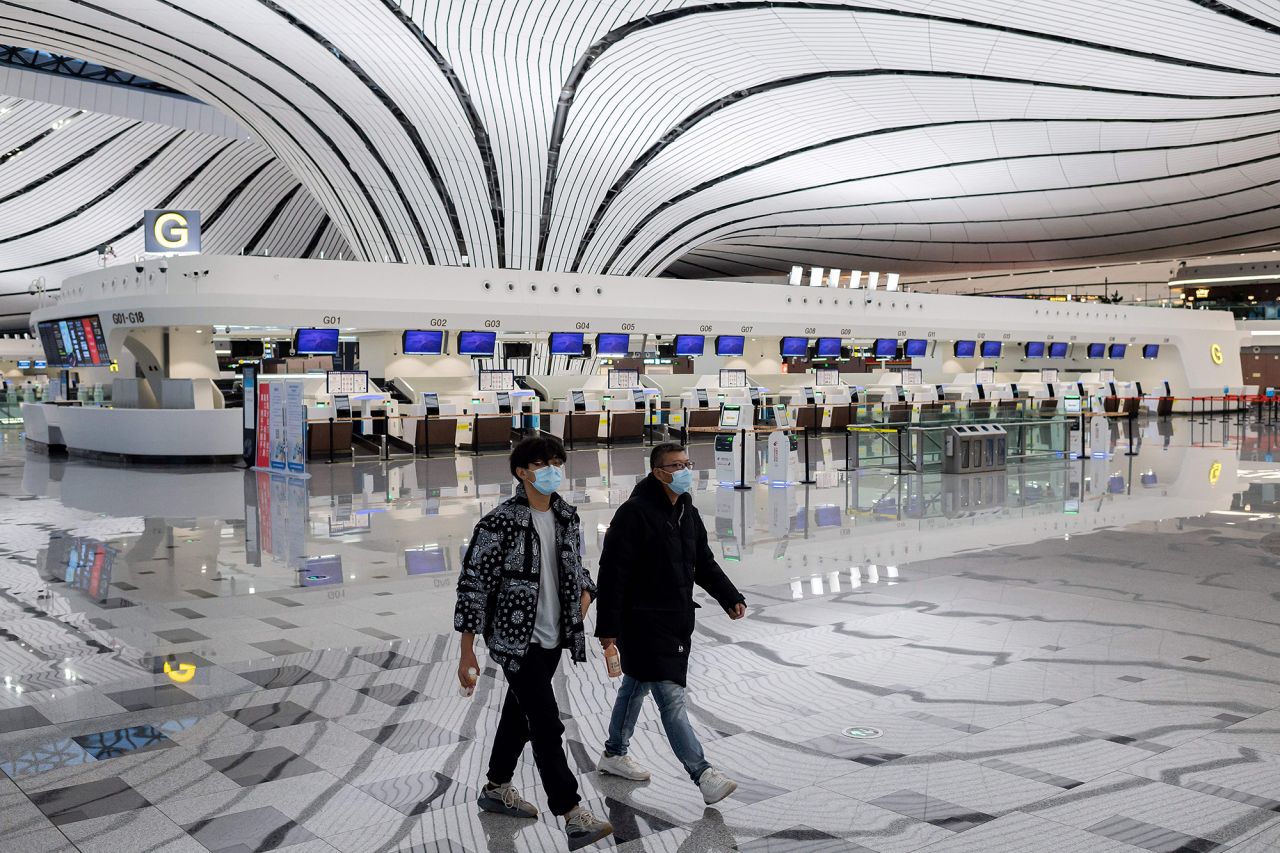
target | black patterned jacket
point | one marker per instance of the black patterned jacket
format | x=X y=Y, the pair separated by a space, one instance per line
x=501 y=573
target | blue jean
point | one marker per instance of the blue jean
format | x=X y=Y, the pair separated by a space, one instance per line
x=675 y=720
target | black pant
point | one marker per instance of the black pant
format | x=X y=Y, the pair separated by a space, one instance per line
x=529 y=714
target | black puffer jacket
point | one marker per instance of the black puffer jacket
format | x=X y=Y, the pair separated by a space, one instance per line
x=653 y=554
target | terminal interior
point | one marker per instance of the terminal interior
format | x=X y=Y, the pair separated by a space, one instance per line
x=965 y=315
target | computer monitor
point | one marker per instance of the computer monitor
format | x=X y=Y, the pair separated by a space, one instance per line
x=730 y=417
x=730 y=344
x=690 y=345
x=1096 y=351
x=579 y=401
x=611 y=344
x=794 y=347
x=992 y=349
x=1117 y=350
x=1034 y=349
x=700 y=394
x=478 y=344
x=315 y=342
x=567 y=343
x=422 y=342
x=1059 y=349
x=431 y=403
x=24 y=364
x=915 y=347
x=885 y=348
x=1151 y=351
x=828 y=348
x=41 y=364
x=965 y=349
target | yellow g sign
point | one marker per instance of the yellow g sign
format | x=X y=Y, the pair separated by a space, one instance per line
x=166 y=231
x=1215 y=353
x=182 y=673
x=1215 y=473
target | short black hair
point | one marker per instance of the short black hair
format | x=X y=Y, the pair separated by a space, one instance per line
x=539 y=448
x=660 y=452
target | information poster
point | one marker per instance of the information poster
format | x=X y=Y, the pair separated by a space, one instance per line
x=621 y=379
x=262 y=456
x=733 y=379
x=1049 y=375
x=826 y=376
x=279 y=441
x=1107 y=375
x=295 y=426
x=913 y=377
x=497 y=380
x=347 y=382
x=985 y=377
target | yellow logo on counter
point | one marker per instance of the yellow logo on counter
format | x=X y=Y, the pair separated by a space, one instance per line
x=1215 y=353
x=1215 y=473
x=183 y=673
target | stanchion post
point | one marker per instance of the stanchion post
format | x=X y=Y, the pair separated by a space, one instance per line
x=1129 y=421
x=808 y=477
x=568 y=427
x=475 y=433
x=331 y=439
x=742 y=460
x=608 y=428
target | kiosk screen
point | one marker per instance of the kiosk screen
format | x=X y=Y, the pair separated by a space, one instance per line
x=730 y=344
x=1059 y=349
x=915 y=348
x=567 y=343
x=1151 y=351
x=1034 y=349
x=690 y=344
x=613 y=344
x=342 y=405
x=701 y=395
x=794 y=347
x=733 y=379
x=637 y=397
x=886 y=347
x=1071 y=405
x=504 y=402
x=621 y=380
x=1117 y=350
x=24 y=365
x=497 y=380
x=579 y=401
x=41 y=365
x=730 y=417
x=477 y=343
x=781 y=418
x=965 y=349
x=992 y=349
x=431 y=403
x=75 y=342
x=1096 y=351
x=828 y=347
x=422 y=342
x=316 y=342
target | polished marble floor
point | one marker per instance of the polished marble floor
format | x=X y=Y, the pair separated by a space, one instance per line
x=1069 y=656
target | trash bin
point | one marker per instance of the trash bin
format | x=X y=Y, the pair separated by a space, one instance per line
x=969 y=448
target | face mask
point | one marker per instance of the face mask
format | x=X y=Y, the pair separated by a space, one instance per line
x=681 y=481
x=548 y=479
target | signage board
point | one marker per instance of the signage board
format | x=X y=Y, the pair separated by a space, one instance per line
x=171 y=231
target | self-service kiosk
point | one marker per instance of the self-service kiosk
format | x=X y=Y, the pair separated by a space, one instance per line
x=735 y=446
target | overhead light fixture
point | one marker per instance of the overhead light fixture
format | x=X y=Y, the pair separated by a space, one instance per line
x=797 y=275
x=833 y=278
x=873 y=280
x=891 y=281
x=855 y=279
x=815 y=277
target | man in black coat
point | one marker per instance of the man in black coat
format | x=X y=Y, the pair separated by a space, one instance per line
x=655 y=551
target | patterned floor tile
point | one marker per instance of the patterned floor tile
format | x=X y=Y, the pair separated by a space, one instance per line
x=264 y=765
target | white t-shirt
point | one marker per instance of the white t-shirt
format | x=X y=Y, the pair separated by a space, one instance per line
x=546 y=626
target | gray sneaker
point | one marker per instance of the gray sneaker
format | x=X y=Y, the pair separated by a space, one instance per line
x=583 y=828
x=504 y=799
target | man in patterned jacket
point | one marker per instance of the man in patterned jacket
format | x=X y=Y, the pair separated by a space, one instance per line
x=524 y=589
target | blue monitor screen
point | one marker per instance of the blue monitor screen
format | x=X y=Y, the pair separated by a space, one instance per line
x=1117 y=350
x=423 y=342
x=1058 y=349
x=566 y=343
x=886 y=347
x=1151 y=351
x=730 y=345
x=992 y=349
x=794 y=347
x=24 y=365
x=1035 y=349
x=916 y=348
x=690 y=344
x=612 y=344
x=316 y=342
x=829 y=347
x=966 y=349
x=477 y=343
x=41 y=365
x=1096 y=350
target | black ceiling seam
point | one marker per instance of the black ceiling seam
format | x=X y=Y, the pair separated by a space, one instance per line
x=251 y=246
x=569 y=90
x=410 y=130
x=314 y=242
x=478 y=130
x=21 y=147
x=267 y=113
x=896 y=173
x=737 y=97
x=69 y=165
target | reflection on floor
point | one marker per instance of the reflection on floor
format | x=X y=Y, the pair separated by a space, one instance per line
x=1069 y=656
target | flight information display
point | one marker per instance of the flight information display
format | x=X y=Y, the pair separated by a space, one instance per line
x=966 y=349
x=609 y=343
x=74 y=342
x=316 y=342
x=423 y=342
x=886 y=347
x=730 y=344
x=828 y=347
x=916 y=347
x=1096 y=351
x=1151 y=351
x=1035 y=349
x=992 y=349
x=477 y=343
x=567 y=343
x=794 y=347
x=1117 y=350
x=1058 y=349
x=690 y=344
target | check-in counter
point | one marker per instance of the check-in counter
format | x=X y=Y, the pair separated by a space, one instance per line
x=148 y=433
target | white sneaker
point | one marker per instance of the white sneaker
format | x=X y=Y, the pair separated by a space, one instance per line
x=623 y=766
x=715 y=786
x=581 y=827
